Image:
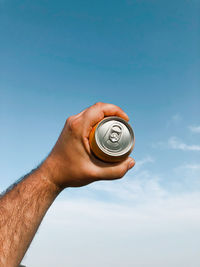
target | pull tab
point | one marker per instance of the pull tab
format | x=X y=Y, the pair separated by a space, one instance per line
x=115 y=133
x=112 y=137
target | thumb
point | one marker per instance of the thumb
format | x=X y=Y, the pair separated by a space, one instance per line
x=117 y=170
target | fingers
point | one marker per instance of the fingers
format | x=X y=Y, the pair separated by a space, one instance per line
x=97 y=112
x=89 y=117
x=116 y=171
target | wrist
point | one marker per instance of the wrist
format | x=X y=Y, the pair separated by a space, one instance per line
x=47 y=177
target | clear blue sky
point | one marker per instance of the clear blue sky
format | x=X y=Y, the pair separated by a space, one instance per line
x=58 y=57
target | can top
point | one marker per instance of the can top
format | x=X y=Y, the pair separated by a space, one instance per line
x=114 y=136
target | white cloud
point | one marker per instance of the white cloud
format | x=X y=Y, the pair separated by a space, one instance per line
x=136 y=188
x=140 y=163
x=80 y=232
x=194 y=129
x=194 y=166
x=141 y=224
x=175 y=143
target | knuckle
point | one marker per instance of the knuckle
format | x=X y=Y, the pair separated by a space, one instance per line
x=68 y=121
x=99 y=104
x=73 y=123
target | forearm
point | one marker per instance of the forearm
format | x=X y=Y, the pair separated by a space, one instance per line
x=21 y=212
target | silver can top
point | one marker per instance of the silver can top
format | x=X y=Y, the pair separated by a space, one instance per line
x=114 y=136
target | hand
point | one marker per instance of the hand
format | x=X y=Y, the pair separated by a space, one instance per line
x=71 y=162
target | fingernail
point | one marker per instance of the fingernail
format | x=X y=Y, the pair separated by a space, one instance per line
x=131 y=164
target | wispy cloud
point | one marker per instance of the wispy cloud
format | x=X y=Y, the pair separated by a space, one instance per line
x=141 y=163
x=139 y=185
x=151 y=220
x=194 y=166
x=175 y=143
x=194 y=129
x=141 y=213
x=133 y=189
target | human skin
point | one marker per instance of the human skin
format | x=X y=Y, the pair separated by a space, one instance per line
x=69 y=164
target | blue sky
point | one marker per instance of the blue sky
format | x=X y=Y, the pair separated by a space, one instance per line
x=58 y=57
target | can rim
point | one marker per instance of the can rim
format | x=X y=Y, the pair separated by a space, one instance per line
x=127 y=149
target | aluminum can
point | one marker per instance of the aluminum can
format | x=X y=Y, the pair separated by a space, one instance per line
x=112 y=139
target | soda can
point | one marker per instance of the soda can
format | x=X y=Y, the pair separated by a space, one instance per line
x=112 y=139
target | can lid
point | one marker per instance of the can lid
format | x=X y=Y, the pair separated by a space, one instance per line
x=114 y=136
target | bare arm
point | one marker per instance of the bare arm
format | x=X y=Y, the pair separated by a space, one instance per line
x=21 y=211
x=70 y=164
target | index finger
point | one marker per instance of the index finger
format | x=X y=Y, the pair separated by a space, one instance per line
x=98 y=111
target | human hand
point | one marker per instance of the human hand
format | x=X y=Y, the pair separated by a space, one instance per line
x=71 y=162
